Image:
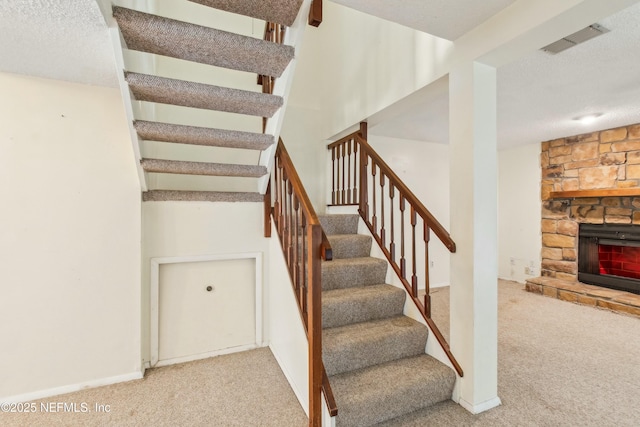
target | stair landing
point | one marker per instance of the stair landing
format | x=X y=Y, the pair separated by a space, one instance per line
x=581 y=293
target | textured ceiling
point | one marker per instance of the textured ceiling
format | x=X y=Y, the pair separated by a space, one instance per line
x=448 y=19
x=540 y=94
x=57 y=39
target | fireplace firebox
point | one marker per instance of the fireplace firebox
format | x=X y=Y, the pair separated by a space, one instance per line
x=609 y=256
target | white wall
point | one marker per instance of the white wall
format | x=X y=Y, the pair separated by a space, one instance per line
x=288 y=338
x=178 y=229
x=70 y=245
x=350 y=67
x=519 y=212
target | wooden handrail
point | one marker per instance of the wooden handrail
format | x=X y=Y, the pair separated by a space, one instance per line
x=329 y=399
x=359 y=173
x=305 y=246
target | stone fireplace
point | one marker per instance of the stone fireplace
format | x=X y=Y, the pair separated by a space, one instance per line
x=591 y=179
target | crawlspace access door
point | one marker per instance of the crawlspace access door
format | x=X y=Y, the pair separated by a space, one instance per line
x=206 y=308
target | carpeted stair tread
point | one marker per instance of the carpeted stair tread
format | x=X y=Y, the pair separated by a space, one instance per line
x=350 y=245
x=278 y=11
x=339 y=223
x=146 y=87
x=200 y=196
x=353 y=272
x=177 y=39
x=379 y=393
x=201 y=168
x=356 y=346
x=354 y=305
x=194 y=135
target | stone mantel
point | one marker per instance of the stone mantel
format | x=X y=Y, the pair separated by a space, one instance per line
x=616 y=192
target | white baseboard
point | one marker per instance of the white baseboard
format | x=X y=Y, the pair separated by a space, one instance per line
x=41 y=394
x=480 y=407
x=302 y=397
x=206 y=355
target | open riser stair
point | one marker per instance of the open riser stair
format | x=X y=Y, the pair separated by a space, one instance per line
x=373 y=353
x=192 y=44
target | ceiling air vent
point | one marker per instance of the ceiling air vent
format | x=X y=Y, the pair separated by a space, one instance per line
x=576 y=38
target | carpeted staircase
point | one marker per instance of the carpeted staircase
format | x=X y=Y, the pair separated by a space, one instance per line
x=159 y=35
x=374 y=355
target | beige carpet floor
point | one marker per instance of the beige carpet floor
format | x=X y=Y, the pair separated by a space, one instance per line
x=241 y=389
x=560 y=364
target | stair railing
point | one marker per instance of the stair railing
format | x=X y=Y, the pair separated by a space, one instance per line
x=275 y=33
x=305 y=246
x=272 y=33
x=396 y=218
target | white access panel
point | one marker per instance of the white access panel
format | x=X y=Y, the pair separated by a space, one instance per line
x=205 y=308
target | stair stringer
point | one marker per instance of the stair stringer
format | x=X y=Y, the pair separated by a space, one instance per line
x=127 y=98
x=432 y=348
x=293 y=36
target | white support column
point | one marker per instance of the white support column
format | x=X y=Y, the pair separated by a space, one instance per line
x=474 y=267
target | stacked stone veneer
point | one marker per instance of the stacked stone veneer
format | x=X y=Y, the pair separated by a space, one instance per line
x=608 y=159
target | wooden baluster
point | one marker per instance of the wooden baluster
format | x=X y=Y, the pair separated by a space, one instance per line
x=289 y=225
x=364 y=190
x=414 y=277
x=349 y=171
x=305 y=249
x=281 y=187
x=296 y=242
x=382 y=223
x=344 y=156
x=303 y=275
x=276 y=204
x=392 y=245
x=267 y=210
x=427 y=297
x=355 y=172
x=374 y=218
x=338 y=189
x=403 y=261
x=333 y=176
x=283 y=208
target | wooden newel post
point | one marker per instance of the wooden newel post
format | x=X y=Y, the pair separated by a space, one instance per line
x=315 y=13
x=267 y=211
x=314 y=236
x=362 y=196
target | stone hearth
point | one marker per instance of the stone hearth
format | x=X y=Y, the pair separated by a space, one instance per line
x=580 y=293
